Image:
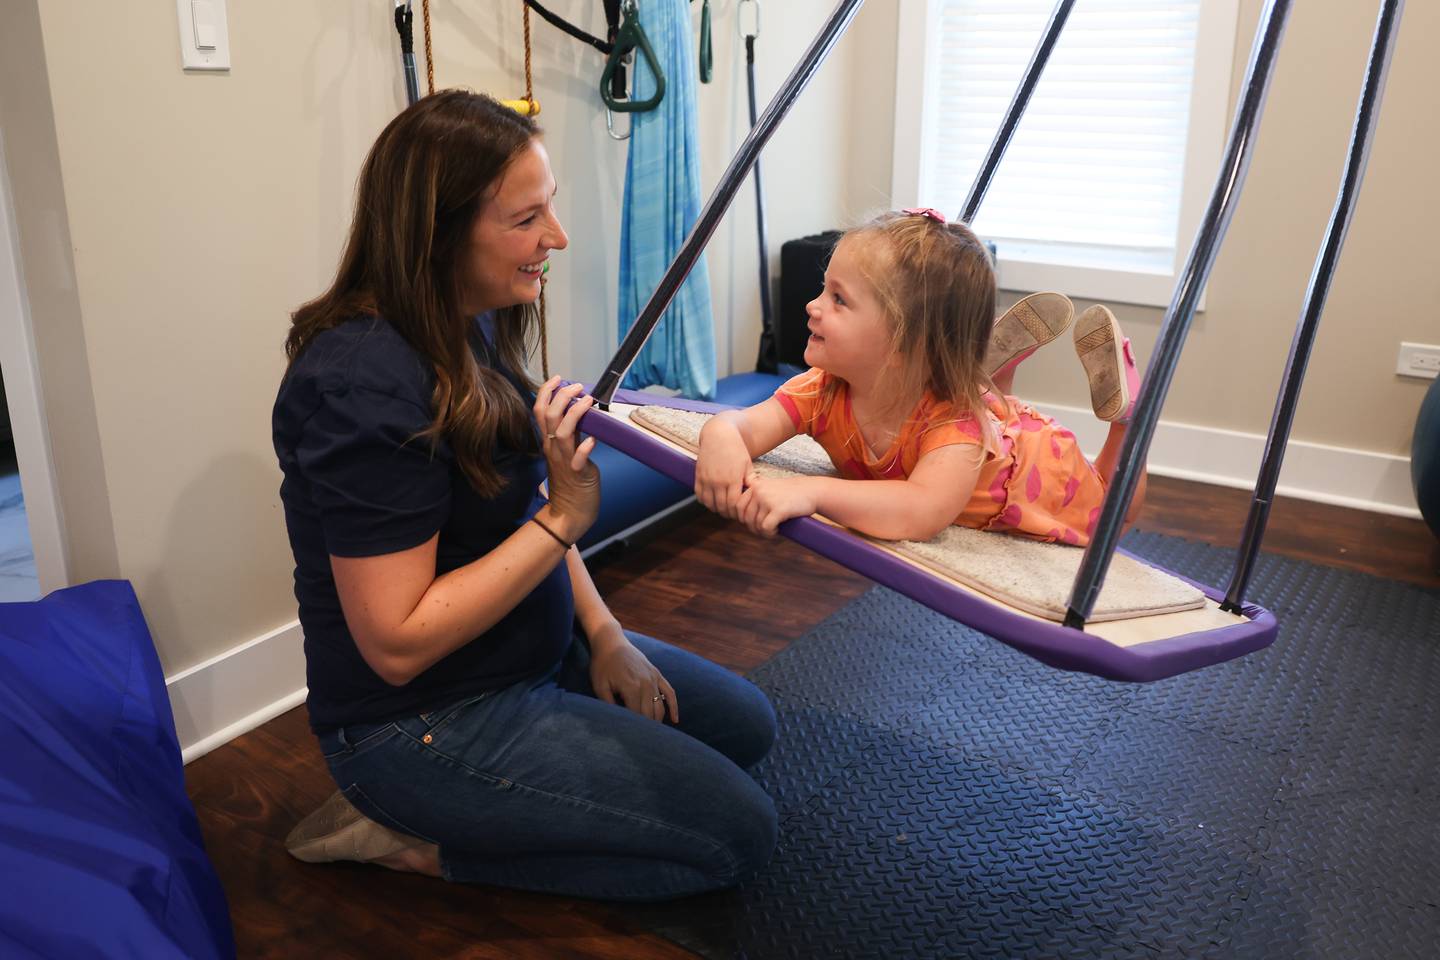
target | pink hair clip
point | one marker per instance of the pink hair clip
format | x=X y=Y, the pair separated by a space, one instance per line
x=929 y=213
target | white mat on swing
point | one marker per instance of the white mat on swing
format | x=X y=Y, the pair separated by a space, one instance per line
x=1025 y=574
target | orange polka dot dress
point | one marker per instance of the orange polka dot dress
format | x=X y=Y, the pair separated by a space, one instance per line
x=1037 y=485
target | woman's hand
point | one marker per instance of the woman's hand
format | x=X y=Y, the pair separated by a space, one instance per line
x=721 y=467
x=767 y=503
x=573 y=480
x=622 y=674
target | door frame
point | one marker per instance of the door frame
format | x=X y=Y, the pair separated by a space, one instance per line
x=21 y=368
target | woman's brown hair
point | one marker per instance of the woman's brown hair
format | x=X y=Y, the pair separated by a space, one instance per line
x=419 y=192
x=935 y=283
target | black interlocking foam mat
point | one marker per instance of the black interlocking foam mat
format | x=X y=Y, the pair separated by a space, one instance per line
x=944 y=796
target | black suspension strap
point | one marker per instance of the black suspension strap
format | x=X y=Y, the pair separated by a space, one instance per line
x=707 y=52
x=566 y=26
x=405 y=26
x=618 y=83
x=766 y=361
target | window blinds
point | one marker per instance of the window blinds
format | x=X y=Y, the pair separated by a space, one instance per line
x=1097 y=163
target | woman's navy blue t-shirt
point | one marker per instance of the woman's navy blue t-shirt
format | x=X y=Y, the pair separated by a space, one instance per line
x=359 y=483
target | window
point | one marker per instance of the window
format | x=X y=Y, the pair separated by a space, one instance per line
x=1106 y=179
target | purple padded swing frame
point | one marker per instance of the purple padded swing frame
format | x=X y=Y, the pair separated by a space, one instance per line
x=1058 y=646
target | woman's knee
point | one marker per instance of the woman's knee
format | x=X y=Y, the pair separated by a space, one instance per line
x=747 y=837
x=754 y=727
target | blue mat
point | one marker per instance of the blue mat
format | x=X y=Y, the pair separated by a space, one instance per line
x=943 y=796
x=100 y=851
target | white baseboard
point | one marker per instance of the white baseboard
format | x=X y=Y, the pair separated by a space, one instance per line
x=216 y=701
x=1362 y=479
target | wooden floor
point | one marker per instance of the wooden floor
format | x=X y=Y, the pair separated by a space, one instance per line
x=702 y=584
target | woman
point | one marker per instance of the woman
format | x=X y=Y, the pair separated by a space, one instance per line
x=485 y=716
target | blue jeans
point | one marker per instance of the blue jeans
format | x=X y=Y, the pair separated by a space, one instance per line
x=542 y=786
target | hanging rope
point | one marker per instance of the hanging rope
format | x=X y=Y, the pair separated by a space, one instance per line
x=429 y=60
x=544 y=339
x=534 y=109
x=529 y=87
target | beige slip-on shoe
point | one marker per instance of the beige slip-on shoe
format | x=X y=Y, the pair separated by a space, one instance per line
x=1026 y=327
x=338 y=831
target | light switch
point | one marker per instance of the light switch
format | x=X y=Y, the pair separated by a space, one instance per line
x=204 y=34
x=203 y=12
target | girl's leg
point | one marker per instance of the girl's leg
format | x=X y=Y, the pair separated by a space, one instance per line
x=1109 y=364
x=1030 y=324
x=1109 y=459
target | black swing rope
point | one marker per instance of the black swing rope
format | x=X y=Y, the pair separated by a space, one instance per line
x=404 y=25
x=766 y=361
x=565 y=26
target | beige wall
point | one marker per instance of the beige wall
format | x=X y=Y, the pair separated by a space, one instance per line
x=200 y=209
x=170 y=222
x=1389 y=273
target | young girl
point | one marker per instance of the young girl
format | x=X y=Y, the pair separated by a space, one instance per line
x=907 y=388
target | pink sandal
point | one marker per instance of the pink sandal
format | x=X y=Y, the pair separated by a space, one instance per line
x=1109 y=363
x=1026 y=327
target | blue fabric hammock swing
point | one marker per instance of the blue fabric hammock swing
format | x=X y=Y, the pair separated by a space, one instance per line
x=661 y=205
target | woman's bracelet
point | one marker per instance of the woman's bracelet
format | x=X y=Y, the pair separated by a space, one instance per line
x=558 y=539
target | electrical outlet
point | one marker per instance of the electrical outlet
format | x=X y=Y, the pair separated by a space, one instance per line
x=1419 y=360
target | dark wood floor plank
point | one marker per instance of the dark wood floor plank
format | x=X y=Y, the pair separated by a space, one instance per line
x=1397 y=548
x=703 y=584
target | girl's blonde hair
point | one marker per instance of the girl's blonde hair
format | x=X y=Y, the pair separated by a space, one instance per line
x=936 y=286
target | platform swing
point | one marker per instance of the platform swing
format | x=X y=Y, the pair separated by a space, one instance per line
x=1118 y=632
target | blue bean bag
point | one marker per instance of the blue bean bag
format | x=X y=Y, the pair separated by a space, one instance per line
x=100 y=851
x=1425 y=458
